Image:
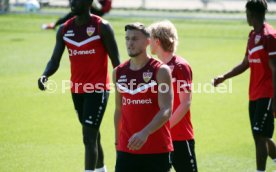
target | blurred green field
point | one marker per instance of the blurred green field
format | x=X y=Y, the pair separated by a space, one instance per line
x=39 y=131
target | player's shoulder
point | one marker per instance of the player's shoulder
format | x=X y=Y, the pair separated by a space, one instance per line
x=69 y=22
x=99 y=19
x=163 y=70
x=250 y=33
x=123 y=65
x=181 y=63
x=155 y=62
x=104 y=24
x=93 y=16
x=181 y=60
x=163 y=74
x=269 y=31
x=122 y=68
x=62 y=29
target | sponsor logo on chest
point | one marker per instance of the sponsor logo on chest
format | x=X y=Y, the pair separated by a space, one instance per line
x=81 y=52
x=257 y=60
x=126 y=101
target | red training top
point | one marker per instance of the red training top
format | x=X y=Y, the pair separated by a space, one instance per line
x=89 y=60
x=260 y=47
x=139 y=91
x=182 y=82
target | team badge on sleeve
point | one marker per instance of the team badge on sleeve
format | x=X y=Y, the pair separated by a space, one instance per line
x=257 y=39
x=147 y=76
x=90 y=30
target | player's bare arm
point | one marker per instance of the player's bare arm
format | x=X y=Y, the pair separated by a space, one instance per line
x=165 y=101
x=239 y=69
x=110 y=43
x=54 y=62
x=117 y=113
x=185 y=98
x=272 y=63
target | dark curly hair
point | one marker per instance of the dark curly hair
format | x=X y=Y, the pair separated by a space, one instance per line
x=258 y=8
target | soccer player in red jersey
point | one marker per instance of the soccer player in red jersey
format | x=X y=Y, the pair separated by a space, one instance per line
x=163 y=43
x=98 y=7
x=143 y=107
x=260 y=57
x=89 y=40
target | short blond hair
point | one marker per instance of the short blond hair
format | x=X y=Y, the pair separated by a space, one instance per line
x=166 y=32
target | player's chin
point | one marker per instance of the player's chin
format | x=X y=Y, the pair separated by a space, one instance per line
x=132 y=54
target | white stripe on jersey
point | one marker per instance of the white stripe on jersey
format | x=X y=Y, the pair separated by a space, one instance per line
x=272 y=53
x=255 y=49
x=79 y=44
x=137 y=90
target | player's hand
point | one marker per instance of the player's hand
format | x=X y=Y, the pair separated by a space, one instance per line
x=217 y=80
x=137 y=140
x=41 y=82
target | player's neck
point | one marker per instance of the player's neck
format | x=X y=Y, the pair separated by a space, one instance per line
x=82 y=19
x=139 y=62
x=258 y=27
x=164 y=56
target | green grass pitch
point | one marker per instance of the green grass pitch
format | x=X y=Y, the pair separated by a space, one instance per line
x=39 y=131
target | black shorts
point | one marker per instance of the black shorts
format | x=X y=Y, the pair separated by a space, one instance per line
x=183 y=157
x=127 y=162
x=90 y=107
x=261 y=117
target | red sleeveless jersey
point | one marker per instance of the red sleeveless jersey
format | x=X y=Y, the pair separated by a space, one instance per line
x=139 y=91
x=89 y=60
x=260 y=48
x=182 y=81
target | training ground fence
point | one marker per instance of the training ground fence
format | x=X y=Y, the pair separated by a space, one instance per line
x=160 y=5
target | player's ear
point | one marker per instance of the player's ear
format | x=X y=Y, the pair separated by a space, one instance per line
x=158 y=42
x=148 y=40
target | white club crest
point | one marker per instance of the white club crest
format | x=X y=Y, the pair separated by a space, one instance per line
x=147 y=76
x=257 y=39
x=90 y=30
